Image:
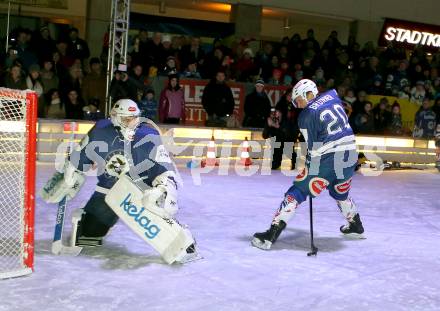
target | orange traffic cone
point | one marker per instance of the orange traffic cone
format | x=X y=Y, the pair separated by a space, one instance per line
x=245 y=159
x=210 y=159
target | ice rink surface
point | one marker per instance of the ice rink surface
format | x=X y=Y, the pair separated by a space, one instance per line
x=396 y=268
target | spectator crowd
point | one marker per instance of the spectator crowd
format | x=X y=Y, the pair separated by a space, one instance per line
x=72 y=85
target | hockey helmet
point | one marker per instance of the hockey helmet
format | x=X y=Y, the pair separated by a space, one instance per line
x=125 y=116
x=302 y=88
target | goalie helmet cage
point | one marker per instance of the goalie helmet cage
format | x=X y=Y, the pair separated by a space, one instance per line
x=18 y=122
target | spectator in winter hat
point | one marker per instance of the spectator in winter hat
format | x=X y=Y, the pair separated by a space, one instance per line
x=166 y=40
x=256 y=107
x=245 y=66
x=249 y=52
x=377 y=87
x=405 y=93
x=55 y=108
x=170 y=67
x=364 y=121
x=218 y=100
x=403 y=83
x=287 y=81
x=298 y=75
x=167 y=49
x=49 y=79
x=396 y=126
x=350 y=97
x=148 y=106
x=77 y=47
x=275 y=61
x=276 y=78
x=74 y=105
x=382 y=116
x=191 y=70
x=429 y=89
x=401 y=72
x=418 y=93
x=425 y=119
x=33 y=80
x=319 y=76
x=389 y=85
x=358 y=105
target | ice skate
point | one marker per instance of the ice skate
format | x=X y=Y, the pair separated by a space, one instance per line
x=264 y=240
x=77 y=238
x=353 y=229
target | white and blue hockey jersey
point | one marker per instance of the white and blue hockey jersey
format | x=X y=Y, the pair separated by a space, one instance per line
x=324 y=125
x=103 y=146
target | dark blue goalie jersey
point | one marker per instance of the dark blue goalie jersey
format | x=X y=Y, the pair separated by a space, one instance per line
x=104 y=148
x=324 y=125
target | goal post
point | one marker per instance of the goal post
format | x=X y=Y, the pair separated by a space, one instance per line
x=18 y=135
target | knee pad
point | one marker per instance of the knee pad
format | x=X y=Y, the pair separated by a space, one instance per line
x=347 y=208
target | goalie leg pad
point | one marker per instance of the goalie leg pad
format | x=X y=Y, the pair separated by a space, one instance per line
x=183 y=248
x=165 y=235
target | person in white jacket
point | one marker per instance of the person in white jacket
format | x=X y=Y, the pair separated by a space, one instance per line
x=33 y=82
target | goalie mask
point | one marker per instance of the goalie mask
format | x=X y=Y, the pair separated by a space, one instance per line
x=302 y=88
x=125 y=117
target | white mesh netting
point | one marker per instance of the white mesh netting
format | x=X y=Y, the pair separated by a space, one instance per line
x=13 y=142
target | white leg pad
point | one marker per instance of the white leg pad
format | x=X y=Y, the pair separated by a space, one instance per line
x=76 y=218
x=165 y=235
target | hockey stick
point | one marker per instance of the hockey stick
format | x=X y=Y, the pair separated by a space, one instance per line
x=57 y=244
x=313 y=248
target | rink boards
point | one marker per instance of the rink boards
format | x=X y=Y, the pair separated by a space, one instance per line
x=187 y=143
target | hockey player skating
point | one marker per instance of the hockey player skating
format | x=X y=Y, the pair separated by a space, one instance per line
x=331 y=161
x=136 y=182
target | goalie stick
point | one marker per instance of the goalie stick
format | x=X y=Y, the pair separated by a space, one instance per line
x=57 y=244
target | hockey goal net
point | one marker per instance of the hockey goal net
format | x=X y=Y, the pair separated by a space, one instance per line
x=18 y=119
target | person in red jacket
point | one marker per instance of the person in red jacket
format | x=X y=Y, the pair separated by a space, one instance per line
x=172 y=102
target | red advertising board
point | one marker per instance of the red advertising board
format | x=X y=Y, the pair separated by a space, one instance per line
x=193 y=90
x=70 y=127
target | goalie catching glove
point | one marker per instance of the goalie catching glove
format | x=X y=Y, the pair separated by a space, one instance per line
x=161 y=199
x=63 y=184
